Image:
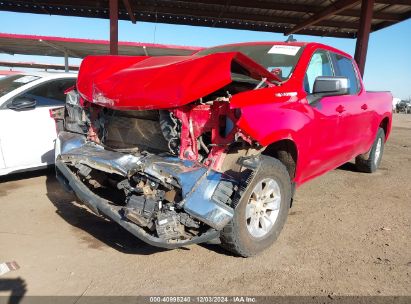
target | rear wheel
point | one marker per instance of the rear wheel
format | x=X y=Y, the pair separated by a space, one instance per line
x=373 y=161
x=262 y=210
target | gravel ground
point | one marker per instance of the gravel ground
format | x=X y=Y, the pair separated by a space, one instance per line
x=348 y=233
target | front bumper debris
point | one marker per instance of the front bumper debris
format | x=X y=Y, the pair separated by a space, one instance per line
x=199 y=185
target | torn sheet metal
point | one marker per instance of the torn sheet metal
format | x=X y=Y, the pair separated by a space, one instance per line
x=197 y=183
x=74 y=149
x=199 y=202
x=172 y=170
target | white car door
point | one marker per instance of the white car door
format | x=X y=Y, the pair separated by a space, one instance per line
x=27 y=135
x=2 y=164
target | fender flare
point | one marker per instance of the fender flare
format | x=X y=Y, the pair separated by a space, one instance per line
x=288 y=135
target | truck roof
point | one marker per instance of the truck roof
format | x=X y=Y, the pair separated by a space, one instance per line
x=315 y=45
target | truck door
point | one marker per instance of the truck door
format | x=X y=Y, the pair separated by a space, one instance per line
x=355 y=121
x=325 y=112
x=2 y=164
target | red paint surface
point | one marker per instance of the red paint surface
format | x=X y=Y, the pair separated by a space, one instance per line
x=324 y=137
x=198 y=119
x=142 y=82
x=10 y=72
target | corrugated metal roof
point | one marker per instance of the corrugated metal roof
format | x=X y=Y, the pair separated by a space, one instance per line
x=259 y=15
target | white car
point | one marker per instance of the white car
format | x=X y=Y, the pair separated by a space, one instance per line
x=27 y=131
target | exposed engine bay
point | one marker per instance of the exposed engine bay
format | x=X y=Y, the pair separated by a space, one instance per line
x=165 y=175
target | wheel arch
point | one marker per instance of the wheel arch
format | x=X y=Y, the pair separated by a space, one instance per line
x=385 y=125
x=286 y=151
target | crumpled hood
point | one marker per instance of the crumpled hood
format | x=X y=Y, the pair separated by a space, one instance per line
x=143 y=82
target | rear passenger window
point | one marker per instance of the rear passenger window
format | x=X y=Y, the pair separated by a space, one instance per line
x=320 y=65
x=345 y=68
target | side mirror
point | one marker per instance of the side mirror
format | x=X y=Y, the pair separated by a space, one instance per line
x=331 y=85
x=22 y=104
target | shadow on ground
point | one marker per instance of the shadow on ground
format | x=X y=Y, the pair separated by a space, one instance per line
x=348 y=167
x=15 y=287
x=26 y=175
x=102 y=231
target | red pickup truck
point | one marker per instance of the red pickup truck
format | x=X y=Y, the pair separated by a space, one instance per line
x=188 y=149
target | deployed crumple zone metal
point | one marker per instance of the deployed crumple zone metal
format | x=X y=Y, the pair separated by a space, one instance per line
x=189 y=149
x=101 y=206
x=197 y=183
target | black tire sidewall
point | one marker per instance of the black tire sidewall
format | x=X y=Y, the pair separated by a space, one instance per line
x=374 y=166
x=269 y=168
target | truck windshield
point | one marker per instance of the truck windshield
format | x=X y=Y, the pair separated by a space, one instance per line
x=279 y=59
x=10 y=83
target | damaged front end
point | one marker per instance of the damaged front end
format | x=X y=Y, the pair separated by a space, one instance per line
x=169 y=175
x=164 y=201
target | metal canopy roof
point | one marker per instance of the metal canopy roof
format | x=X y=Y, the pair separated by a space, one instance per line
x=334 y=18
x=35 y=65
x=79 y=48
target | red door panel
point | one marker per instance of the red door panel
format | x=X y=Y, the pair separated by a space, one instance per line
x=323 y=137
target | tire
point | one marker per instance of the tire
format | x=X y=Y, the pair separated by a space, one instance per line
x=371 y=164
x=237 y=236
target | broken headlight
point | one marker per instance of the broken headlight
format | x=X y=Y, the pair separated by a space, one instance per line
x=73 y=98
x=99 y=98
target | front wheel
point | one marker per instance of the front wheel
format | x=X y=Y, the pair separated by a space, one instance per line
x=261 y=212
x=371 y=164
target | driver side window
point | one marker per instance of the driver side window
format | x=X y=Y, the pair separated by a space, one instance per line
x=320 y=65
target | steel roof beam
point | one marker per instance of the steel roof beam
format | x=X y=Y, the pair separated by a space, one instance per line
x=272 y=5
x=60 y=48
x=130 y=10
x=113 y=27
x=385 y=24
x=247 y=25
x=361 y=46
x=401 y=2
x=330 y=10
x=216 y=14
x=11 y=64
x=2 y=51
x=301 y=8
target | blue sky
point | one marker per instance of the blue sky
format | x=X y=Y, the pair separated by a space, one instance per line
x=388 y=65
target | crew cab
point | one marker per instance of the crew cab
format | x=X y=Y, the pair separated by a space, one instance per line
x=27 y=132
x=187 y=149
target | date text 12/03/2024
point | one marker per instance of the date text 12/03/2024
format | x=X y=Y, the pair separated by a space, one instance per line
x=203 y=299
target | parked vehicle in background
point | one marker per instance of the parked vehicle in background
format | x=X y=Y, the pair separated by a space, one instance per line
x=404 y=106
x=395 y=101
x=182 y=150
x=27 y=132
x=8 y=73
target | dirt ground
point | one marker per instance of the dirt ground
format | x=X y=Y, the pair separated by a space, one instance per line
x=348 y=233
